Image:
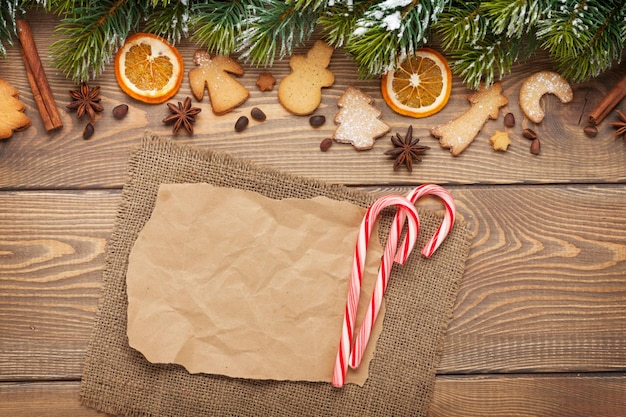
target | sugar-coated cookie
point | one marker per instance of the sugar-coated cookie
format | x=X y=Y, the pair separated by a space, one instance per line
x=358 y=120
x=459 y=133
x=538 y=84
x=300 y=92
x=214 y=74
x=12 y=117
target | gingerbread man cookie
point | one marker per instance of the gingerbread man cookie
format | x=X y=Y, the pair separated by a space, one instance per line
x=12 y=117
x=214 y=74
x=300 y=92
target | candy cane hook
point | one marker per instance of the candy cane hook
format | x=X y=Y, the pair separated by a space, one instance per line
x=448 y=220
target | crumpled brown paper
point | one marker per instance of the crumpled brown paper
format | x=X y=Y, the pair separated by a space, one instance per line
x=226 y=281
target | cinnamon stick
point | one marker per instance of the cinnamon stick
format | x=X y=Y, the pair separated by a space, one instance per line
x=608 y=103
x=37 y=79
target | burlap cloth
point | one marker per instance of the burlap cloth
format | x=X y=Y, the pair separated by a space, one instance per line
x=420 y=296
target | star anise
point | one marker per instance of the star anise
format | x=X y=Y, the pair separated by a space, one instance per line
x=621 y=125
x=406 y=150
x=85 y=101
x=182 y=115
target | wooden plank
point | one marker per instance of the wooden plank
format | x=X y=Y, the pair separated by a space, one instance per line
x=36 y=159
x=49 y=399
x=494 y=395
x=530 y=395
x=545 y=284
x=51 y=260
x=544 y=288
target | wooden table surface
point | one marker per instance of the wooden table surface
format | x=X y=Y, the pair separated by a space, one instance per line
x=539 y=326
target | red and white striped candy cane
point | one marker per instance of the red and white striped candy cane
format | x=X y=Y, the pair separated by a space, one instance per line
x=362 y=338
x=356 y=277
x=448 y=219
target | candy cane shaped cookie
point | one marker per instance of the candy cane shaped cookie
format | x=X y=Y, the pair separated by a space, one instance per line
x=356 y=277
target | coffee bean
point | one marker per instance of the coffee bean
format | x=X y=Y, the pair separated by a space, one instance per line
x=529 y=134
x=257 y=114
x=591 y=131
x=317 y=121
x=509 y=120
x=241 y=124
x=88 y=131
x=535 y=147
x=326 y=144
x=120 y=111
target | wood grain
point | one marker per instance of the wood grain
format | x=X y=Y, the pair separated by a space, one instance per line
x=49 y=399
x=36 y=159
x=51 y=258
x=544 y=288
x=522 y=396
x=494 y=395
x=546 y=277
x=539 y=327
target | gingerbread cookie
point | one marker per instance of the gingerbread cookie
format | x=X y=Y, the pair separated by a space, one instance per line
x=214 y=74
x=538 y=84
x=12 y=117
x=300 y=92
x=459 y=133
x=265 y=81
x=500 y=141
x=359 y=121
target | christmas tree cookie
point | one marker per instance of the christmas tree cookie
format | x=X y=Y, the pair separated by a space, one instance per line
x=358 y=120
x=12 y=117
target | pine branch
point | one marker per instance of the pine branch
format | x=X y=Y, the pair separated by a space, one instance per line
x=64 y=7
x=487 y=61
x=339 y=21
x=482 y=38
x=485 y=38
x=217 y=25
x=309 y=4
x=170 y=22
x=92 y=36
x=513 y=19
x=584 y=39
x=389 y=31
x=272 y=29
x=462 y=25
x=9 y=9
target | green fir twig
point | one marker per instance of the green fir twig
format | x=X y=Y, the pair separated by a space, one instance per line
x=9 y=10
x=272 y=29
x=483 y=39
x=91 y=36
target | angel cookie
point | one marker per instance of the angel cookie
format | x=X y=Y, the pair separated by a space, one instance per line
x=214 y=74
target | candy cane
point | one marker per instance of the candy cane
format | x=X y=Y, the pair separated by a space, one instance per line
x=362 y=338
x=356 y=277
x=448 y=219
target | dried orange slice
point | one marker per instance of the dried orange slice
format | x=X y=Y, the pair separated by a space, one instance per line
x=420 y=86
x=148 y=68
